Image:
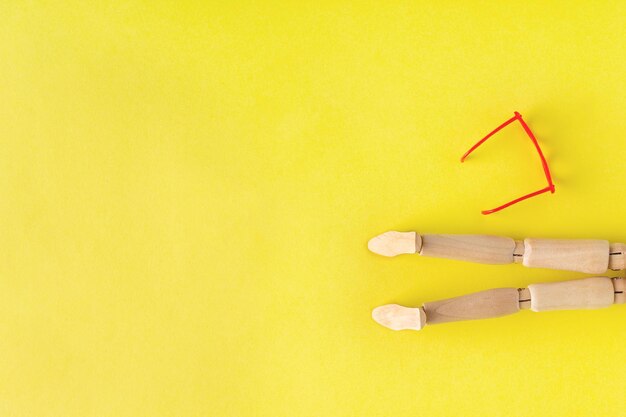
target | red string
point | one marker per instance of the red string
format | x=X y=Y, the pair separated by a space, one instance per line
x=480 y=142
x=544 y=163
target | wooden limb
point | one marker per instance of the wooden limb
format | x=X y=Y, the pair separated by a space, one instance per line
x=590 y=256
x=588 y=293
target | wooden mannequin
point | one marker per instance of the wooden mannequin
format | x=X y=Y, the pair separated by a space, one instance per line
x=588 y=293
x=580 y=255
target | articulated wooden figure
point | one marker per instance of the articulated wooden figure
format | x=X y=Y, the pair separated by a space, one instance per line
x=590 y=256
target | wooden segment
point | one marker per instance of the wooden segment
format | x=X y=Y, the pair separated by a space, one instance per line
x=397 y=317
x=481 y=305
x=473 y=248
x=395 y=243
x=524 y=298
x=518 y=252
x=589 y=256
x=617 y=256
x=618 y=289
x=588 y=293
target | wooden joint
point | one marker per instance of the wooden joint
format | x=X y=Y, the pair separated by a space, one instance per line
x=618 y=288
x=617 y=256
x=518 y=252
x=524 y=298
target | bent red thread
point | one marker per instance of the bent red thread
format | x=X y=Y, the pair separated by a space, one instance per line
x=544 y=162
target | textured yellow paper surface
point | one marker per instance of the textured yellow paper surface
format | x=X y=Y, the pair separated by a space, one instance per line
x=187 y=190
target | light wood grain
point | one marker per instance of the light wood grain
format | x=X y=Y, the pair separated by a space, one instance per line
x=394 y=243
x=588 y=293
x=473 y=248
x=581 y=255
x=481 y=305
x=397 y=317
x=617 y=256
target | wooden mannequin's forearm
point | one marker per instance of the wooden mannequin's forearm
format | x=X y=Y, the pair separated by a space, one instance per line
x=581 y=255
x=588 y=293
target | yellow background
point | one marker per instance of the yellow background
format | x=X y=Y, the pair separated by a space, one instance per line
x=187 y=190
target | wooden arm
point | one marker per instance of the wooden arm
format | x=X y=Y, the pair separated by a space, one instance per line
x=581 y=255
x=588 y=293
